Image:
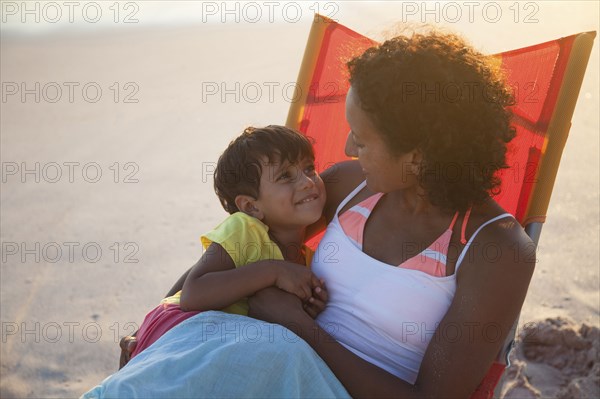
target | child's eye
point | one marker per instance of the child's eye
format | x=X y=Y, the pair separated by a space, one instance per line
x=284 y=176
x=310 y=170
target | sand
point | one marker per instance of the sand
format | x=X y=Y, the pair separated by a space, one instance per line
x=555 y=358
x=64 y=305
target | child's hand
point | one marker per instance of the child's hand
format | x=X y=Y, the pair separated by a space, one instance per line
x=297 y=280
x=316 y=304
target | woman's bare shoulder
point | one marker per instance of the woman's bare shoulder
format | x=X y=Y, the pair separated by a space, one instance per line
x=340 y=180
x=501 y=242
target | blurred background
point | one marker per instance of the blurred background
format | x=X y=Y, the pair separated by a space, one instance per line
x=114 y=113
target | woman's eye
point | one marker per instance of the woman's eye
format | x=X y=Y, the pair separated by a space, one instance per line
x=357 y=145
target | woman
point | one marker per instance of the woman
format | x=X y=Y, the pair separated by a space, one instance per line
x=428 y=272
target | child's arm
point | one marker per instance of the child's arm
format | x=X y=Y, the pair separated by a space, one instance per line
x=178 y=286
x=215 y=283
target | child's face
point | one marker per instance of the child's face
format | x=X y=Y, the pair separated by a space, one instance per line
x=290 y=196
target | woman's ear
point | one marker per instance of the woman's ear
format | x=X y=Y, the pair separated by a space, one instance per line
x=247 y=204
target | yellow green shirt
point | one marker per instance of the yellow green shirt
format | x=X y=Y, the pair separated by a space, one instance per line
x=246 y=240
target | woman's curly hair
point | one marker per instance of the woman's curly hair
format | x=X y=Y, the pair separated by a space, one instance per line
x=435 y=93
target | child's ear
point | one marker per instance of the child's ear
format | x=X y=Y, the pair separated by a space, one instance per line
x=247 y=204
x=416 y=157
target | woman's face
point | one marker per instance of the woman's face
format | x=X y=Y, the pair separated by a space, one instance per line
x=384 y=172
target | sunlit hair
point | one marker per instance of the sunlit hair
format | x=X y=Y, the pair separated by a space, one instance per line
x=435 y=93
x=240 y=167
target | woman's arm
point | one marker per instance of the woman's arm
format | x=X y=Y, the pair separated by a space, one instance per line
x=359 y=377
x=492 y=283
x=488 y=298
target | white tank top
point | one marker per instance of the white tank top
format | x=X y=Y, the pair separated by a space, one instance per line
x=384 y=314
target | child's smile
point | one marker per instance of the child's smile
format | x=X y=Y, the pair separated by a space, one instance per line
x=291 y=196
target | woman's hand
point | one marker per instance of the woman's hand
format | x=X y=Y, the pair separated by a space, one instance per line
x=297 y=280
x=127 y=345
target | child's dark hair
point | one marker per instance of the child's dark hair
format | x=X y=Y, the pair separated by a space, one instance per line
x=240 y=166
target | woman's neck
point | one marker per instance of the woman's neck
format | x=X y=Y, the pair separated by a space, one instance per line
x=413 y=200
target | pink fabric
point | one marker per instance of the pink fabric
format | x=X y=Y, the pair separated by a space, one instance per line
x=354 y=219
x=157 y=322
x=431 y=261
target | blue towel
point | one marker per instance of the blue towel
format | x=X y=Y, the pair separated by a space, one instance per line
x=221 y=355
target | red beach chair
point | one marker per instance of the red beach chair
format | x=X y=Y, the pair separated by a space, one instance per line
x=547 y=78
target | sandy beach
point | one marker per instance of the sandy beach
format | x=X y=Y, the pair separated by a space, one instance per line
x=109 y=133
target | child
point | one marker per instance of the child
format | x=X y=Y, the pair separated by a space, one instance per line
x=267 y=181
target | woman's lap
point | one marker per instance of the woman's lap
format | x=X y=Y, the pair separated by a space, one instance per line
x=216 y=354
